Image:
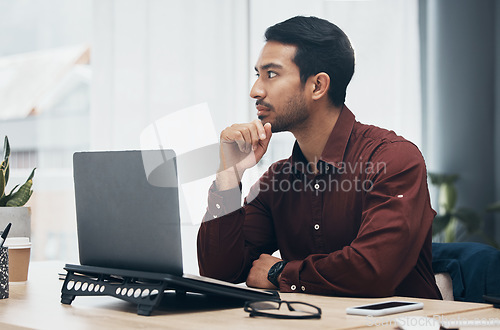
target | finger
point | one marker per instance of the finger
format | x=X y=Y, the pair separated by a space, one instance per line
x=250 y=134
x=265 y=142
x=240 y=141
x=231 y=136
x=247 y=136
x=254 y=135
x=260 y=129
x=237 y=134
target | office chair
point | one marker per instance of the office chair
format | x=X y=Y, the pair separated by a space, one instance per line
x=474 y=270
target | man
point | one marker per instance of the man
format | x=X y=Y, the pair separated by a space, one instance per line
x=349 y=211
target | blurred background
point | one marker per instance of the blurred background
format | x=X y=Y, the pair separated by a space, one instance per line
x=93 y=74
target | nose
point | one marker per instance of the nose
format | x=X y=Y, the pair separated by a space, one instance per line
x=257 y=91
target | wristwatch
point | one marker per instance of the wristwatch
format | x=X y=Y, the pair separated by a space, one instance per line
x=275 y=272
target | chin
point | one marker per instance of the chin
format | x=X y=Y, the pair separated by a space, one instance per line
x=264 y=120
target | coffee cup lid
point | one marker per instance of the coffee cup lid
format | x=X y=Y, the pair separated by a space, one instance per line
x=17 y=242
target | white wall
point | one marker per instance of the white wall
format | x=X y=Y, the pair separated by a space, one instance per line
x=385 y=89
x=51 y=137
x=151 y=58
x=462 y=104
x=32 y=25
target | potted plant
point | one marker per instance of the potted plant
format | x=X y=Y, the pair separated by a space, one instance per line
x=12 y=207
x=495 y=207
x=449 y=218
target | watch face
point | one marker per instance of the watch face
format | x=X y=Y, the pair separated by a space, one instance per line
x=275 y=271
x=276 y=267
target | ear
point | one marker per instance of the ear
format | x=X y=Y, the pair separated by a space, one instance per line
x=320 y=85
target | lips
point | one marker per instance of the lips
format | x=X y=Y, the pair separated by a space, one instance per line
x=262 y=110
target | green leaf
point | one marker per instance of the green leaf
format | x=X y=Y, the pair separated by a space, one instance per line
x=447 y=197
x=20 y=197
x=6 y=198
x=14 y=198
x=2 y=183
x=439 y=179
x=450 y=232
x=12 y=190
x=435 y=178
x=6 y=156
x=4 y=167
x=6 y=148
x=469 y=218
x=31 y=175
x=451 y=178
x=440 y=223
x=495 y=207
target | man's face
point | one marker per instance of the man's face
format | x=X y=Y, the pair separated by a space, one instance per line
x=278 y=89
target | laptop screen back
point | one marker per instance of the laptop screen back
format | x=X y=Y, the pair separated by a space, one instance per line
x=123 y=220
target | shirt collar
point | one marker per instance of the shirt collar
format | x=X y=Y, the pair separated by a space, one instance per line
x=337 y=142
x=335 y=147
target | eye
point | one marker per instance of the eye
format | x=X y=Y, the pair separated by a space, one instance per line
x=271 y=74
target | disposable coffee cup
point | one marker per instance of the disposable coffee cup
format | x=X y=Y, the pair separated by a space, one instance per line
x=19 y=258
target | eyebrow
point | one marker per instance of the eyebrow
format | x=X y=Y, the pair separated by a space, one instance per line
x=269 y=66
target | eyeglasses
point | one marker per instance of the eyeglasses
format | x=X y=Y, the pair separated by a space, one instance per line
x=272 y=308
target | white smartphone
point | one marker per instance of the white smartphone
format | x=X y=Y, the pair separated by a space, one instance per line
x=385 y=308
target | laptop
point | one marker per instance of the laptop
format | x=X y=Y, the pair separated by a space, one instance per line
x=127 y=208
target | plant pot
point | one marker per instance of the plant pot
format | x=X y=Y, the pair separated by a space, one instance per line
x=20 y=217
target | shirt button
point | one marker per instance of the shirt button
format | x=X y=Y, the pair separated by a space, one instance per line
x=316 y=186
x=217 y=206
x=293 y=287
x=303 y=288
x=316 y=226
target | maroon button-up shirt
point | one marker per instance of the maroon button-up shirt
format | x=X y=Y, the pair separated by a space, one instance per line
x=359 y=227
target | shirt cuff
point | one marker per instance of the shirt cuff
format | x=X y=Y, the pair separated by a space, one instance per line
x=290 y=281
x=223 y=202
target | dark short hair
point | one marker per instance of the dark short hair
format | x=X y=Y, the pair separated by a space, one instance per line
x=321 y=47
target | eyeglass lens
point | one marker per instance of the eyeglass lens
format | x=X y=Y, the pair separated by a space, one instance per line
x=276 y=308
x=298 y=307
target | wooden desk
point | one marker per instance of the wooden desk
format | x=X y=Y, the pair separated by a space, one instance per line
x=36 y=304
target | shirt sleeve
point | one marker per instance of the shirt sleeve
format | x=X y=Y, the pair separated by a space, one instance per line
x=231 y=237
x=396 y=220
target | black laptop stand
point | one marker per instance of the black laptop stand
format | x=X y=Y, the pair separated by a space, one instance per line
x=142 y=288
